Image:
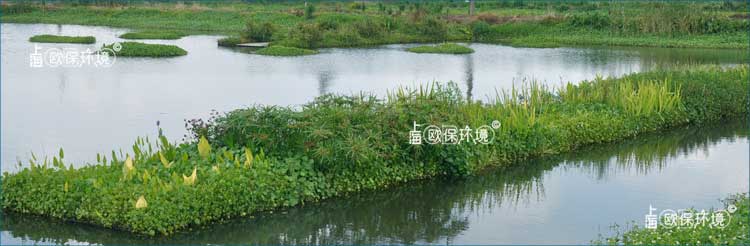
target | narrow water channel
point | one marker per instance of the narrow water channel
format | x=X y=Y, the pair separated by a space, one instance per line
x=570 y=198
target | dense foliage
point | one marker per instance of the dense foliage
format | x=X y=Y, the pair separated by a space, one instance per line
x=265 y=157
x=63 y=39
x=136 y=49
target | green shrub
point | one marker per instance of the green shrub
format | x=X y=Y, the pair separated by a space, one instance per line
x=136 y=49
x=309 y=35
x=480 y=30
x=433 y=28
x=309 y=12
x=153 y=35
x=368 y=28
x=255 y=32
x=63 y=39
x=229 y=41
x=277 y=50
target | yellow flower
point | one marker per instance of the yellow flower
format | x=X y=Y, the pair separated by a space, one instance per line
x=190 y=180
x=141 y=203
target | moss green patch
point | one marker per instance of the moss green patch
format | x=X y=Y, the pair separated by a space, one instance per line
x=63 y=39
x=135 y=49
x=448 y=48
x=285 y=51
x=152 y=35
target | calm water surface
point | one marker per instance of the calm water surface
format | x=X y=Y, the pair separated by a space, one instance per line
x=567 y=199
x=95 y=110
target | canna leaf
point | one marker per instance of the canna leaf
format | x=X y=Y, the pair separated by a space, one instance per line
x=248 y=158
x=204 y=149
x=141 y=203
x=190 y=180
x=164 y=160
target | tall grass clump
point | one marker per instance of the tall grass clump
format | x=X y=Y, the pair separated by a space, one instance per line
x=265 y=157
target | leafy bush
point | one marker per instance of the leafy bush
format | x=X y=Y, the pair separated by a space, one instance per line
x=309 y=12
x=309 y=35
x=368 y=28
x=255 y=32
x=63 y=39
x=433 y=28
x=480 y=30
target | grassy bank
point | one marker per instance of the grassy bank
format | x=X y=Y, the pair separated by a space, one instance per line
x=442 y=49
x=135 y=49
x=735 y=232
x=262 y=158
x=337 y=24
x=63 y=39
x=284 y=51
x=152 y=35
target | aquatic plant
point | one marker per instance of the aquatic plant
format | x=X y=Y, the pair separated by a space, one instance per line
x=265 y=157
x=153 y=35
x=136 y=49
x=63 y=39
x=448 y=48
x=278 y=50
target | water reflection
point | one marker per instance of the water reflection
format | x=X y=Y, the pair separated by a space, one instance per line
x=526 y=200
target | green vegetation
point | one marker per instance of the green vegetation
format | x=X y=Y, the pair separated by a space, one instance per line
x=229 y=41
x=277 y=50
x=735 y=233
x=63 y=39
x=712 y=24
x=136 y=49
x=448 y=48
x=152 y=35
x=265 y=157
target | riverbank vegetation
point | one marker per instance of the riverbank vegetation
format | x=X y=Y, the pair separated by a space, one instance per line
x=711 y=24
x=448 y=48
x=136 y=49
x=152 y=35
x=734 y=233
x=278 y=50
x=63 y=39
x=265 y=157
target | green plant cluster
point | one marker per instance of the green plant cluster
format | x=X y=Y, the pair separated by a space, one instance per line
x=278 y=50
x=265 y=157
x=63 y=39
x=136 y=49
x=447 y=48
x=735 y=232
x=153 y=35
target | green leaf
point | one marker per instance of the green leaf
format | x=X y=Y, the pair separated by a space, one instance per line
x=204 y=149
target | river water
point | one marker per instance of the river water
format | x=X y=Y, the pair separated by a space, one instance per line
x=567 y=199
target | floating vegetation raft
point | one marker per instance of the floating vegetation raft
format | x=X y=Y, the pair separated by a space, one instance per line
x=136 y=49
x=263 y=158
x=284 y=51
x=733 y=230
x=152 y=35
x=63 y=39
x=448 y=48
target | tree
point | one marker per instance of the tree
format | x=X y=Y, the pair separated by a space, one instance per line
x=471 y=7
